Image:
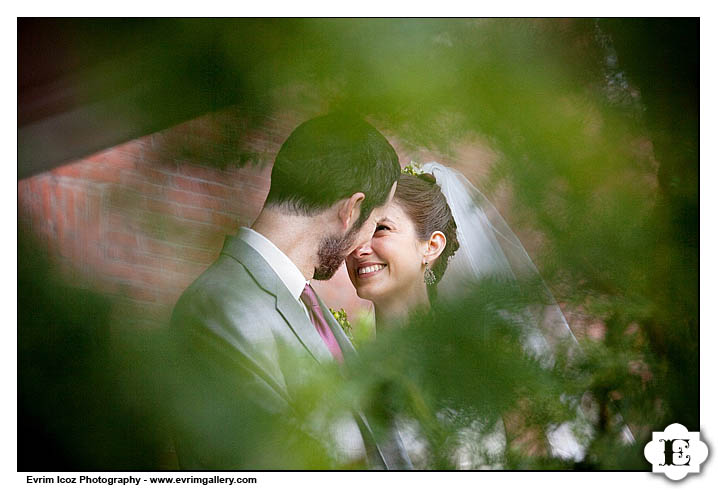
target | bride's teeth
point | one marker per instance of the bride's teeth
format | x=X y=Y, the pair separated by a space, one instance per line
x=371 y=268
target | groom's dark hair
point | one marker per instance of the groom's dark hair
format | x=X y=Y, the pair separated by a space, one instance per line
x=329 y=158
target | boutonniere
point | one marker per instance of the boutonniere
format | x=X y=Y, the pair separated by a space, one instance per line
x=343 y=321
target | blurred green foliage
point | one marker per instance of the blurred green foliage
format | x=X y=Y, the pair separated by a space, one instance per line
x=596 y=125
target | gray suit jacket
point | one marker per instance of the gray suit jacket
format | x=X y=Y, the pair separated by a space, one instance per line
x=232 y=326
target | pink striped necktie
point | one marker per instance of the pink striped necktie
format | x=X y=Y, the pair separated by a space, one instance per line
x=320 y=323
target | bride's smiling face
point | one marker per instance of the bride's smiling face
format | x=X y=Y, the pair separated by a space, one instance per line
x=390 y=263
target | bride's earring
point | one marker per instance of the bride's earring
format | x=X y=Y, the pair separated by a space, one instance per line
x=429 y=276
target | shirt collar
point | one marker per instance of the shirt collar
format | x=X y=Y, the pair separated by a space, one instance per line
x=282 y=265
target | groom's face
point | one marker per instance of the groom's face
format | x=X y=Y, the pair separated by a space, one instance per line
x=333 y=249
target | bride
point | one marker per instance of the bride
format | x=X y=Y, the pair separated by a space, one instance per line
x=439 y=236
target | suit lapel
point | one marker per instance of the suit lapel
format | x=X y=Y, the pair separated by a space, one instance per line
x=303 y=328
x=299 y=322
x=286 y=305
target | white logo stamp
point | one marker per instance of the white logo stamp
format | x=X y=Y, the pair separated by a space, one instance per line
x=676 y=452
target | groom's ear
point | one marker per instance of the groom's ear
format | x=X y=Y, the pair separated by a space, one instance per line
x=434 y=246
x=350 y=209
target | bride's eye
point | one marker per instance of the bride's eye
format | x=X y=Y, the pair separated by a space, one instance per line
x=380 y=228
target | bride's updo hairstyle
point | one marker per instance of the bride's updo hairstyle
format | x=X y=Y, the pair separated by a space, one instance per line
x=421 y=199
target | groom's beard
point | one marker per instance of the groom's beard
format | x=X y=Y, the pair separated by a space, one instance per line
x=332 y=252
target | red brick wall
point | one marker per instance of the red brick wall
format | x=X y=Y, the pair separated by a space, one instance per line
x=138 y=222
x=142 y=220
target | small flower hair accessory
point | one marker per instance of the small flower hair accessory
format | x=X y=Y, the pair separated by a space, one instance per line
x=415 y=169
x=412 y=168
x=341 y=318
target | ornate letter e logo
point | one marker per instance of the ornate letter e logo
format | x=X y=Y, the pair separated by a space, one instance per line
x=676 y=452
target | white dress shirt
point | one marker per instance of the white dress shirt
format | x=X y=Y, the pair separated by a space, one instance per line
x=282 y=265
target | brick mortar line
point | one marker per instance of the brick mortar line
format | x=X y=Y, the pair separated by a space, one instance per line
x=78 y=182
x=230 y=170
x=224 y=213
x=125 y=282
x=148 y=254
x=138 y=228
x=174 y=244
x=118 y=296
x=143 y=267
x=195 y=194
x=208 y=223
x=204 y=181
x=106 y=280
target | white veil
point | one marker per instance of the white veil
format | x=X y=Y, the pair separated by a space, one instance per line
x=489 y=249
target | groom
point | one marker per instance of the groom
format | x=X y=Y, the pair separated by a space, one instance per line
x=330 y=181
